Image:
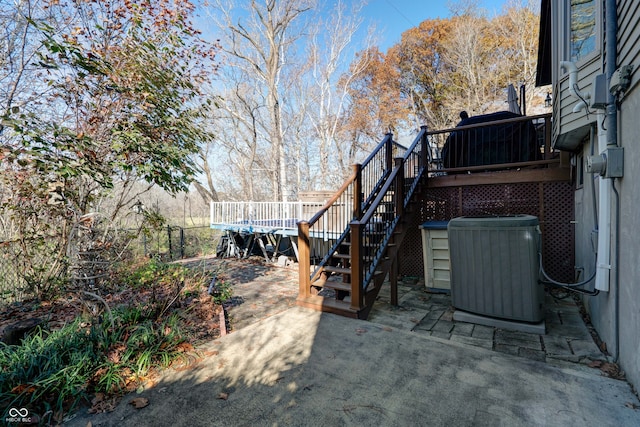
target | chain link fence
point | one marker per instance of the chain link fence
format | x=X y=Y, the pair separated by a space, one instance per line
x=168 y=243
x=171 y=243
x=13 y=271
x=12 y=285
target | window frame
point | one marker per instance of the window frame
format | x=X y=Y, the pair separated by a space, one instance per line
x=566 y=34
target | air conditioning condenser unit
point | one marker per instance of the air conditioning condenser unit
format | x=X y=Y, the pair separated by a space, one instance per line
x=494 y=267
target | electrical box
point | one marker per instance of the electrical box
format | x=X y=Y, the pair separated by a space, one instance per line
x=599 y=94
x=609 y=164
x=615 y=162
x=620 y=80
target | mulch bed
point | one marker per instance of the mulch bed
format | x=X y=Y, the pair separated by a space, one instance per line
x=259 y=290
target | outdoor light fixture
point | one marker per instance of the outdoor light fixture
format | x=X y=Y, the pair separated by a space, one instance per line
x=547 y=100
x=138 y=207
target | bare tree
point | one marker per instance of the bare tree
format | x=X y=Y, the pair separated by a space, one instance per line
x=241 y=134
x=328 y=94
x=20 y=40
x=517 y=30
x=260 y=43
x=467 y=51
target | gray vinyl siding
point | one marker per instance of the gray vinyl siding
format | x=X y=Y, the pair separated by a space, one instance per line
x=628 y=286
x=573 y=127
x=569 y=128
x=616 y=314
x=629 y=37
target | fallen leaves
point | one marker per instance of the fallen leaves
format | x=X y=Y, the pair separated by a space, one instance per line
x=184 y=347
x=101 y=403
x=114 y=354
x=23 y=388
x=139 y=402
x=222 y=396
x=611 y=370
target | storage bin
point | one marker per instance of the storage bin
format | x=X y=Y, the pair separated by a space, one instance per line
x=435 y=252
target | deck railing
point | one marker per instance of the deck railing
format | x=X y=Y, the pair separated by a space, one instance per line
x=503 y=144
x=374 y=170
x=258 y=216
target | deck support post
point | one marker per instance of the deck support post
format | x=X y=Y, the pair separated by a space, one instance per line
x=547 y=138
x=399 y=188
x=425 y=153
x=399 y=208
x=357 y=293
x=358 y=195
x=304 y=260
x=389 y=151
x=393 y=280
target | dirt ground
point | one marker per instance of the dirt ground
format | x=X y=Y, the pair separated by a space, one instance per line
x=260 y=290
x=251 y=299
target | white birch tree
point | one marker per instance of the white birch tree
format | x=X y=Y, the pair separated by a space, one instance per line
x=259 y=40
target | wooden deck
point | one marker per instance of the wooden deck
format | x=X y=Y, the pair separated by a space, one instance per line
x=557 y=169
x=381 y=238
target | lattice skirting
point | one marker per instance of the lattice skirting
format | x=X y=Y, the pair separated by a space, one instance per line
x=551 y=202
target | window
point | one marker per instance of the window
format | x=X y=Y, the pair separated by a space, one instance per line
x=582 y=29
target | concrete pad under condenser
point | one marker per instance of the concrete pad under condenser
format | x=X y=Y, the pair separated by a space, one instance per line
x=530 y=328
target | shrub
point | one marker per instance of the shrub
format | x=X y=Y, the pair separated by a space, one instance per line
x=52 y=371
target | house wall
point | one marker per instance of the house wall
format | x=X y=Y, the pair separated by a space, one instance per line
x=629 y=283
x=569 y=128
x=585 y=202
x=628 y=34
x=616 y=314
x=602 y=307
x=572 y=127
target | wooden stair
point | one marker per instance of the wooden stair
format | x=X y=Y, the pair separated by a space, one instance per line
x=333 y=287
x=348 y=278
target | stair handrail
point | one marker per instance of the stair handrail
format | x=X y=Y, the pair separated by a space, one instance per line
x=352 y=189
x=402 y=194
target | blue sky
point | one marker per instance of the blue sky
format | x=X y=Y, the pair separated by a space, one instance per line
x=393 y=17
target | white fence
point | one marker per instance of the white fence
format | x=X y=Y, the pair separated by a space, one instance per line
x=262 y=216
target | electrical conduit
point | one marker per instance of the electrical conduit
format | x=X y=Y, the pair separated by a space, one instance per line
x=603 y=263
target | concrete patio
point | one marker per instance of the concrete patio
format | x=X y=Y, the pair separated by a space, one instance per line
x=567 y=338
x=407 y=365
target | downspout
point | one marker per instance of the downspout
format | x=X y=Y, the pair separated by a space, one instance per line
x=611 y=52
x=603 y=262
x=570 y=67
